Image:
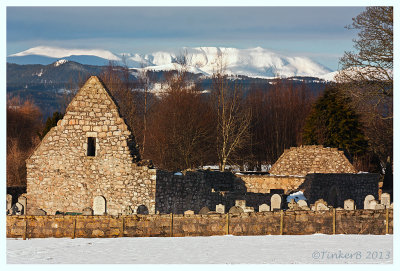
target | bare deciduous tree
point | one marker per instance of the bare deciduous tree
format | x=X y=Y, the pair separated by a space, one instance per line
x=23 y=126
x=367 y=77
x=233 y=117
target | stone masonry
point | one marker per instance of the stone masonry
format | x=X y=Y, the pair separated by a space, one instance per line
x=90 y=153
x=300 y=161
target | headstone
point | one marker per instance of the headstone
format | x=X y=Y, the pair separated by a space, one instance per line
x=321 y=205
x=372 y=204
x=9 y=201
x=349 y=204
x=391 y=205
x=379 y=206
x=367 y=201
x=128 y=211
x=302 y=203
x=39 y=212
x=293 y=205
x=312 y=206
x=22 y=200
x=236 y=210
x=204 y=210
x=241 y=203
x=220 y=208
x=17 y=209
x=189 y=212
x=276 y=201
x=385 y=199
x=248 y=209
x=264 y=208
x=99 y=205
x=87 y=211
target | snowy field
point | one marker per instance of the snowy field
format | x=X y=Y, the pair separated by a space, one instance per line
x=228 y=249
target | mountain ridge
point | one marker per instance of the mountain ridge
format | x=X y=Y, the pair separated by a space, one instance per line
x=253 y=62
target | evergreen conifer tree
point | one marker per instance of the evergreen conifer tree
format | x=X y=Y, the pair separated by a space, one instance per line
x=333 y=123
x=50 y=123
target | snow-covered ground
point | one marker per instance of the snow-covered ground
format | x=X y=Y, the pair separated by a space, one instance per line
x=311 y=249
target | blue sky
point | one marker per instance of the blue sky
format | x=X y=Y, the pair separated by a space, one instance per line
x=316 y=32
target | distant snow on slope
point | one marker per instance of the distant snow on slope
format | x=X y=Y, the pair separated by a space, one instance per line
x=57 y=52
x=60 y=62
x=252 y=62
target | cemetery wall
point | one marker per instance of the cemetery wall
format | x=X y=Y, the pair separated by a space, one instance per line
x=193 y=190
x=265 y=223
x=336 y=188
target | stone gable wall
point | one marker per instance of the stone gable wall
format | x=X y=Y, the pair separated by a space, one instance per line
x=300 y=161
x=60 y=175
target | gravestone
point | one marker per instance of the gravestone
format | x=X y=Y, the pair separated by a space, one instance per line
x=236 y=210
x=188 y=212
x=9 y=202
x=293 y=205
x=349 y=204
x=220 y=208
x=321 y=205
x=391 y=205
x=22 y=200
x=17 y=209
x=385 y=199
x=248 y=209
x=367 y=201
x=379 y=206
x=264 y=208
x=38 y=211
x=372 y=204
x=99 y=205
x=87 y=211
x=276 y=202
x=241 y=203
x=302 y=203
x=204 y=210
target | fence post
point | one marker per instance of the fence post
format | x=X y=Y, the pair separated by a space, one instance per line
x=121 y=231
x=172 y=225
x=334 y=221
x=26 y=228
x=227 y=224
x=73 y=229
x=281 y=228
x=387 y=221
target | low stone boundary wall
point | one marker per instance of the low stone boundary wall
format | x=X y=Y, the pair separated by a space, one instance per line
x=265 y=223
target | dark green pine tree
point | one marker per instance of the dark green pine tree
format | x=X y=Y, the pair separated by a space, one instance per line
x=50 y=123
x=333 y=123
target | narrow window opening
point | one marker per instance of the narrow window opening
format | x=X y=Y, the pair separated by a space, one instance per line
x=91 y=146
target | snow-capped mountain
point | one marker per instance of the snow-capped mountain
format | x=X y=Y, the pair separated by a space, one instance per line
x=253 y=62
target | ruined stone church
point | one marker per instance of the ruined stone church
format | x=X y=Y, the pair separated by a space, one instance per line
x=90 y=153
x=90 y=159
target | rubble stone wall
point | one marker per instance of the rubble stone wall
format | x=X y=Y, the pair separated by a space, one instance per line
x=303 y=160
x=266 y=183
x=336 y=188
x=61 y=176
x=193 y=190
x=266 y=223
